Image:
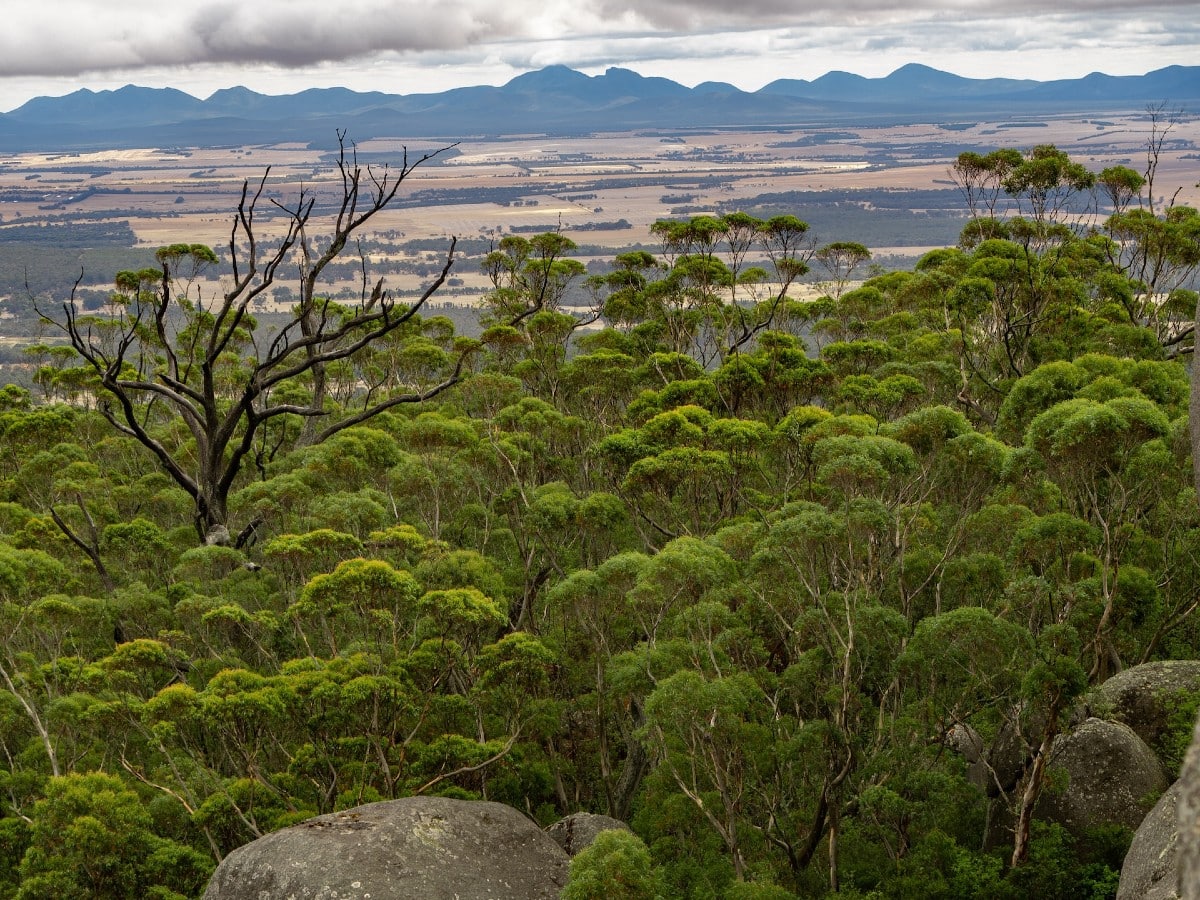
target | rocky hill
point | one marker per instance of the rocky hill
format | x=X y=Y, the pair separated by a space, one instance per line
x=560 y=100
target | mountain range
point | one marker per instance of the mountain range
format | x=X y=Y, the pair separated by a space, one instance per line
x=559 y=100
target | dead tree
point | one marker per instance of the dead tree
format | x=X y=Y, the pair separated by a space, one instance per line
x=163 y=354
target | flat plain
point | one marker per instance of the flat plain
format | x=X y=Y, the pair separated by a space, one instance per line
x=886 y=187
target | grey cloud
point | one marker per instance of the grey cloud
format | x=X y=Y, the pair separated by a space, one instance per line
x=332 y=32
x=305 y=33
x=283 y=34
x=998 y=34
x=883 y=43
x=604 y=56
x=680 y=14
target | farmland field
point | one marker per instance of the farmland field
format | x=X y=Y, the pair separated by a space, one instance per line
x=889 y=188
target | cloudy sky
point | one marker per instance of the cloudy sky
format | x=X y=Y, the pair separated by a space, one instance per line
x=52 y=47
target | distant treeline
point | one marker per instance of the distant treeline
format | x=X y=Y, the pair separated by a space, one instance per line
x=619 y=225
x=74 y=234
x=880 y=218
x=503 y=195
x=44 y=269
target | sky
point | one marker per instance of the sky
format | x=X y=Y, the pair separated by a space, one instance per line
x=53 y=47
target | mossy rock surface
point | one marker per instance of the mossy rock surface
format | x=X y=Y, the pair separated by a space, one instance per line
x=1188 y=821
x=1149 y=870
x=1145 y=697
x=577 y=831
x=1100 y=773
x=433 y=848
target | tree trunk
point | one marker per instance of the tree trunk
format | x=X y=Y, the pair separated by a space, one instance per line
x=90 y=547
x=1033 y=790
x=38 y=725
x=834 y=830
x=308 y=328
x=637 y=761
x=212 y=516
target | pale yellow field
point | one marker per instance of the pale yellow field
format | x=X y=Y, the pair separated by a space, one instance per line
x=173 y=196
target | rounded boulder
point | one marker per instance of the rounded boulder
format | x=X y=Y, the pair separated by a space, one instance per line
x=434 y=848
x=1149 y=870
x=577 y=831
x=1143 y=697
x=1106 y=773
x=967 y=743
x=1188 y=821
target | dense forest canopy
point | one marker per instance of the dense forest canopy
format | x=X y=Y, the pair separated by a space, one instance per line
x=737 y=568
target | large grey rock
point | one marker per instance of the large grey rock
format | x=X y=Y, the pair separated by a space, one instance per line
x=1109 y=773
x=1144 y=696
x=431 y=848
x=577 y=831
x=1149 y=870
x=1189 y=821
x=967 y=743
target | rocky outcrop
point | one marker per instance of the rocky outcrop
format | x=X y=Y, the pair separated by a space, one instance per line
x=1143 y=697
x=1149 y=871
x=577 y=831
x=1188 y=843
x=428 y=847
x=1163 y=862
x=1109 y=773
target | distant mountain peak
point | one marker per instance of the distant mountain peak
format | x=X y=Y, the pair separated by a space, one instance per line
x=716 y=87
x=913 y=67
x=839 y=75
x=548 y=77
x=238 y=90
x=560 y=100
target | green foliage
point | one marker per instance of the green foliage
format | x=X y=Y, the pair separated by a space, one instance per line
x=751 y=890
x=1057 y=865
x=615 y=865
x=747 y=571
x=1182 y=710
x=91 y=837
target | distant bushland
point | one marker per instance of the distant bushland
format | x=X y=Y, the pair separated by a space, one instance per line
x=90 y=234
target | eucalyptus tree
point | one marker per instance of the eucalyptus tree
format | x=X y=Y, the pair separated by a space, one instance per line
x=711 y=293
x=1042 y=187
x=841 y=259
x=529 y=275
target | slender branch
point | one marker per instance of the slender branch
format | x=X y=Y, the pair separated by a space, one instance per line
x=466 y=770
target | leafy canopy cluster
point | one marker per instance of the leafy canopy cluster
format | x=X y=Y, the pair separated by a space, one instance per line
x=737 y=568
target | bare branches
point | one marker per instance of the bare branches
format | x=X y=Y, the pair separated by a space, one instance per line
x=1162 y=121
x=160 y=348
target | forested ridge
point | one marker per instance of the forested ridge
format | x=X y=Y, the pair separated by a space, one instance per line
x=736 y=568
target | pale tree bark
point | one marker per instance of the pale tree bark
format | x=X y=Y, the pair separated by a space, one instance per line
x=35 y=718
